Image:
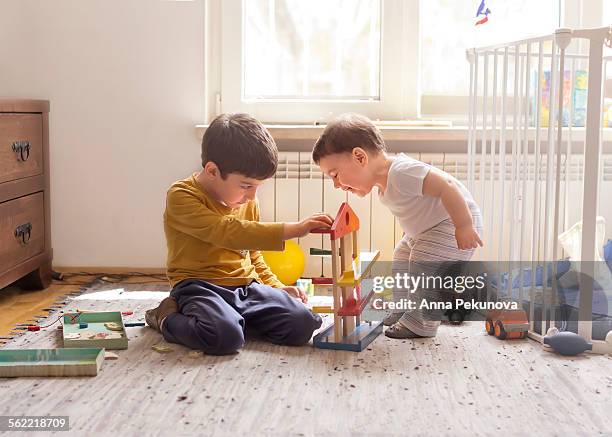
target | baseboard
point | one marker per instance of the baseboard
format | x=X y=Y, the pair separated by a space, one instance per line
x=114 y=270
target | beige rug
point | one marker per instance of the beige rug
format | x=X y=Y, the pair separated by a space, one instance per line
x=461 y=383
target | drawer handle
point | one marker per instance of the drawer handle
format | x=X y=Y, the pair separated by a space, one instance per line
x=23 y=233
x=22 y=148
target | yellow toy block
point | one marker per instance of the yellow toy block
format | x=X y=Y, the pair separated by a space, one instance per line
x=347 y=279
x=322 y=309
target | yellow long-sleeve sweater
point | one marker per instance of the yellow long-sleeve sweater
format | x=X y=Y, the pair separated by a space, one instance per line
x=212 y=242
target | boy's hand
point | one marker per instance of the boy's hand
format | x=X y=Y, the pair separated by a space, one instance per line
x=296 y=292
x=467 y=238
x=300 y=229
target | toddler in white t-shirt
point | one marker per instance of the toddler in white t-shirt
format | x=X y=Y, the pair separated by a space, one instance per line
x=440 y=219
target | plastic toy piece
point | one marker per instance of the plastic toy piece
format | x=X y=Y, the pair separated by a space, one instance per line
x=568 y=343
x=32 y=328
x=132 y=324
x=322 y=281
x=83 y=325
x=127 y=313
x=507 y=324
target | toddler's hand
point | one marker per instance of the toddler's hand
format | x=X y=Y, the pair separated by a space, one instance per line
x=296 y=292
x=467 y=238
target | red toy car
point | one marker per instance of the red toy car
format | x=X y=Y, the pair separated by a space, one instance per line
x=507 y=324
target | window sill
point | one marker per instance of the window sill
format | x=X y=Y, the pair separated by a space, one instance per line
x=413 y=138
x=404 y=136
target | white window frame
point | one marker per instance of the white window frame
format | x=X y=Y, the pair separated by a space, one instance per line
x=400 y=96
x=391 y=105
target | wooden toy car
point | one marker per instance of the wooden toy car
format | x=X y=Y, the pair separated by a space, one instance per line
x=507 y=324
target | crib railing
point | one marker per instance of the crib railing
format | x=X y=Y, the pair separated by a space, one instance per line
x=537 y=104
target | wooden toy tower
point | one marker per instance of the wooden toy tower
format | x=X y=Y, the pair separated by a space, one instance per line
x=349 y=267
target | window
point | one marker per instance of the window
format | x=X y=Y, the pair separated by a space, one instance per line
x=307 y=50
x=307 y=61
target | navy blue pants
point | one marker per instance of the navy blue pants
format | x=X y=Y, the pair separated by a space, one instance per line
x=214 y=318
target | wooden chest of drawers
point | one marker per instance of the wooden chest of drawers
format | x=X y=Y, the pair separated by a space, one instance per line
x=25 y=227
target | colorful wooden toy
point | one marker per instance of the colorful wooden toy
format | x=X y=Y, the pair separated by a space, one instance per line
x=349 y=267
x=103 y=330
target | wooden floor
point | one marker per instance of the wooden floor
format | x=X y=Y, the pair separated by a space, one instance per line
x=19 y=306
x=461 y=383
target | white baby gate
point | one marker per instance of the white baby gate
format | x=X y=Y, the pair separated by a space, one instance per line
x=535 y=131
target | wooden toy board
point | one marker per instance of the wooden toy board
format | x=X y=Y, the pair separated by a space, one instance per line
x=356 y=341
x=94 y=334
x=50 y=362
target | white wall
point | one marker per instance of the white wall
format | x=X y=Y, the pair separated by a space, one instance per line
x=126 y=84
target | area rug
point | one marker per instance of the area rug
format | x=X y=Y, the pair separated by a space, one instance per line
x=461 y=382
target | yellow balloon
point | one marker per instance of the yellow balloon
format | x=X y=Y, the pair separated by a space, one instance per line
x=287 y=265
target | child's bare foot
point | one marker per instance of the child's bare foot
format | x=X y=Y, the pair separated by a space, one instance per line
x=397 y=330
x=155 y=316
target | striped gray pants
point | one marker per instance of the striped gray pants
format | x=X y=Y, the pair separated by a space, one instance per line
x=422 y=255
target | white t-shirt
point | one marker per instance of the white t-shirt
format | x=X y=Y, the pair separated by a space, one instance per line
x=404 y=195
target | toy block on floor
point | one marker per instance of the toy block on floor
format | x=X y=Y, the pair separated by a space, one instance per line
x=50 y=362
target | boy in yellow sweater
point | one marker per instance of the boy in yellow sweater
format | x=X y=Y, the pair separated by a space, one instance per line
x=222 y=286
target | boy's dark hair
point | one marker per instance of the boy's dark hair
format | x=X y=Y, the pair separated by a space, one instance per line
x=238 y=143
x=347 y=132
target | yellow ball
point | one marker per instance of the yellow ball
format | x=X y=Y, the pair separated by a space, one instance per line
x=287 y=265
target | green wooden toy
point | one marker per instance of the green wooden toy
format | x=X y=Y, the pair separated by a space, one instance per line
x=50 y=362
x=104 y=329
